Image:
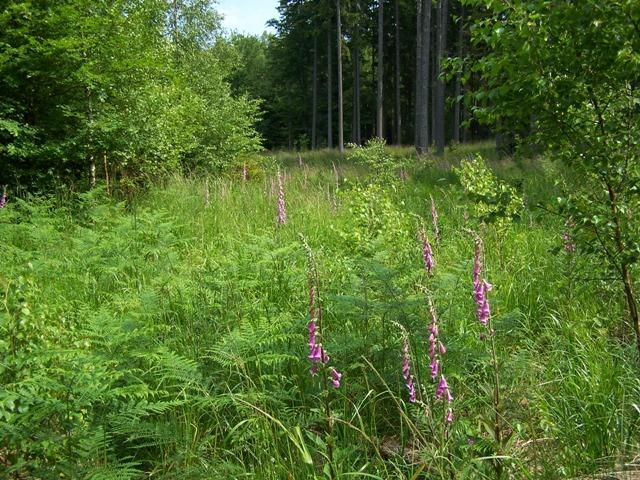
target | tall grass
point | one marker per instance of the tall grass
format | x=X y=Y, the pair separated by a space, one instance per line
x=167 y=337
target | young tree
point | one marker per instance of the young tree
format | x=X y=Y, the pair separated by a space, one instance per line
x=575 y=65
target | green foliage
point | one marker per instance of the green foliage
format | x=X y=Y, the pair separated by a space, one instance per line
x=167 y=338
x=493 y=200
x=376 y=158
x=138 y=89
x=566 y=68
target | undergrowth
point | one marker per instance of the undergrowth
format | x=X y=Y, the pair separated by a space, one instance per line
x=166 y=337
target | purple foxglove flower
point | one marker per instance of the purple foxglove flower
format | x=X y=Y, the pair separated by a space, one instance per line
x=412 y=390
x=405 y=368
x=312 y=333
x=314 y=370
x=484 y=312
x=405 y=360
x=282 y=212
x=316 y=353
x=442 y=388
x=427 y=254
x=335 y=378
x=434 y=368
x=325 y=357
x=434 y=220
x=449 y=418
x=3 y=198
x=443 y=350
x=406 y=373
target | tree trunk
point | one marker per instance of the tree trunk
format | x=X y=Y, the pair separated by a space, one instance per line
x=380 y=93
x=434 y=74
x=329 y=90
x=340 y=92
x=422 y=82
x=458 y=89
x=440 y=83
x=314 y=114
x=398 y=106
x=356 y=136
x=418 y=79
x=625 y=273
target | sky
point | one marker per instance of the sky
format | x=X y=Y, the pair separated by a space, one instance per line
x=247 y=16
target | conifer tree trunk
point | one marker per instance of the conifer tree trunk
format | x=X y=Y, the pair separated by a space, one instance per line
x=314 y=114
x=356 y=136
x=440 y=83
x=398 y=105
x=380 y=72
x=423 y=60
x=329 y=89
x=458 y=88
x=418 y=79
x=340 y=92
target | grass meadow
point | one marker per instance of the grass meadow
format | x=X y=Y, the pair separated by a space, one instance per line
x=165 y=335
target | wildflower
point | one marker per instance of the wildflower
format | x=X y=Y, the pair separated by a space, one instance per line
x=406 y=371
x=335 y=378
x=412 y=390
x=403 y=175
x=245 y=174
x=443 y=389
x=480 y=287
x=434 y=220
x=427 y=253
x=316 y=353
x=3 y=198
x=282 y=213
x=483 y=311
x=434 y=342
x=312 y=333
x=434 y=368
x=449 y=418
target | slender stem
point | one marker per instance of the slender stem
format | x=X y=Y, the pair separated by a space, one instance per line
x=497 y=427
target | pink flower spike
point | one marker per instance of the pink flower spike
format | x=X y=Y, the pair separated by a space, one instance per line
x=412 y=390
x=314 y=370
x=335 y=378
x=434 y=369
x=442 y=387
x=316 y=353
x=449 y=418
x=325 y=356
